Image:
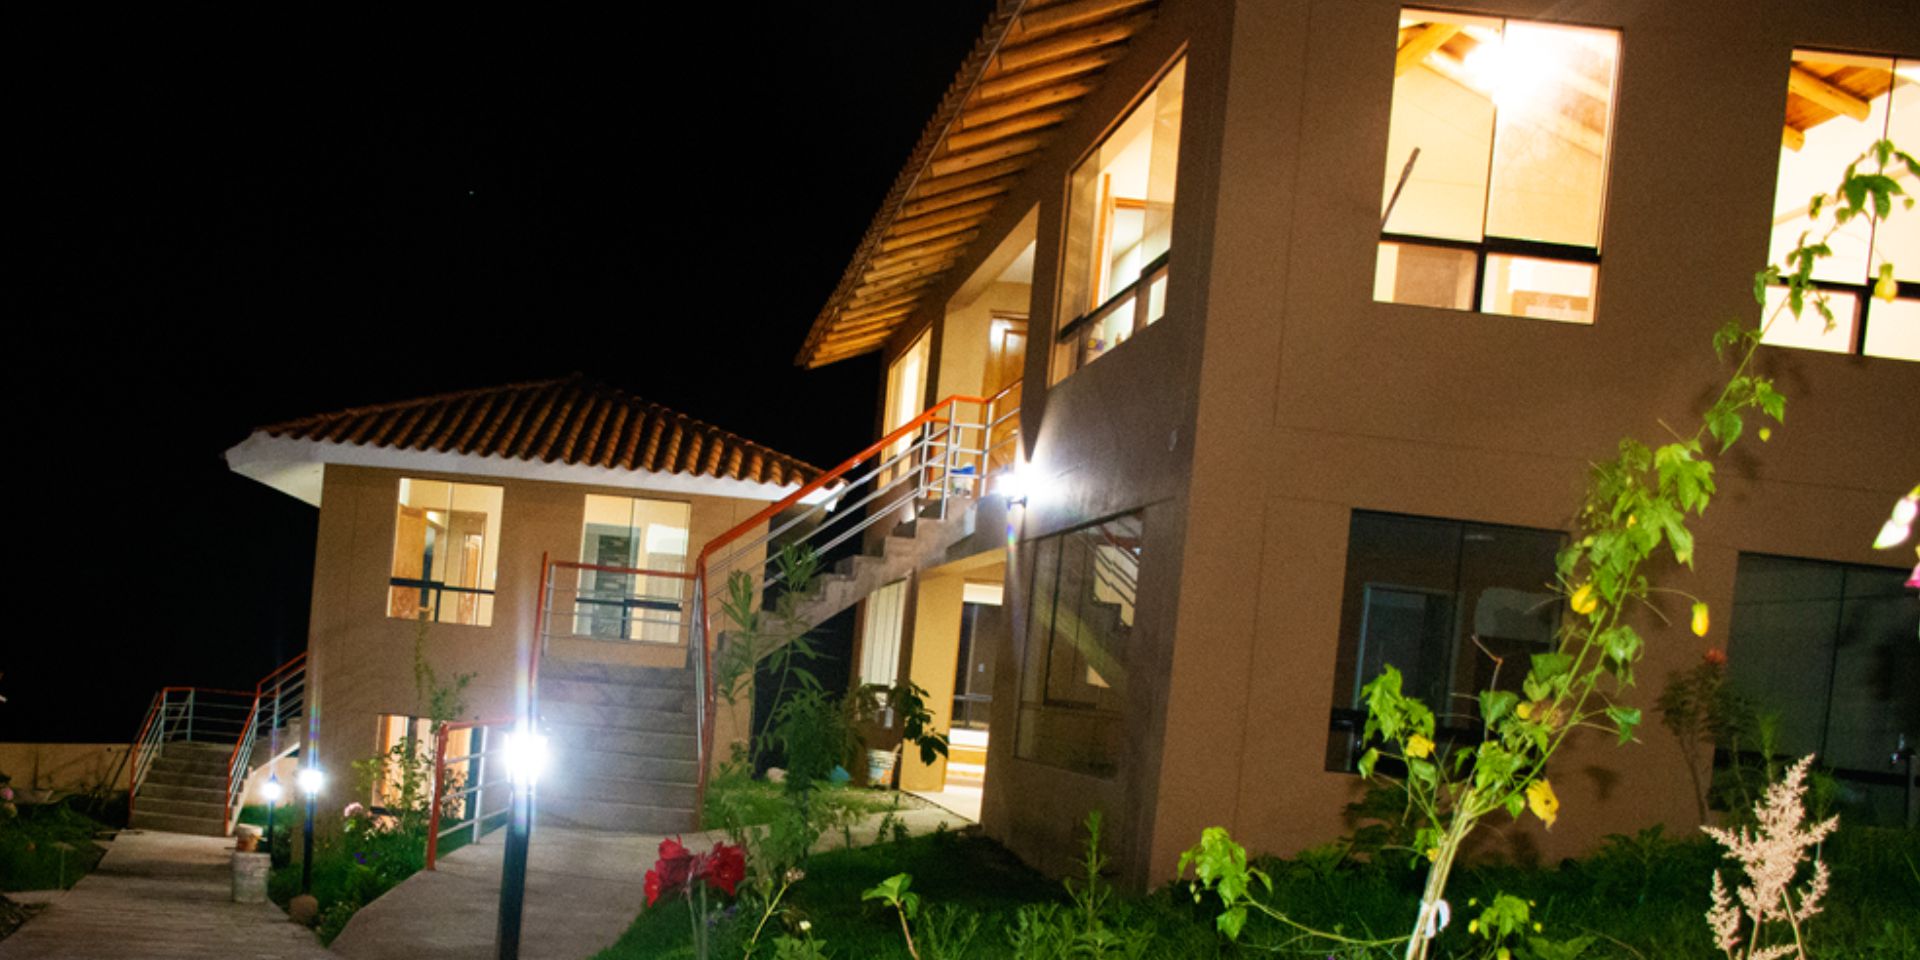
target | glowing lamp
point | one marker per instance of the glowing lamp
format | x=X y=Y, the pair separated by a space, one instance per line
x=271 y=790
x=526 y=756
x=310 y=780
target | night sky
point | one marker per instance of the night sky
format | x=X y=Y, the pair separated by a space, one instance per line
x=217 y=240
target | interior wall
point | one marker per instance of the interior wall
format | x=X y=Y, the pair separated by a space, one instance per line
x=964 y=337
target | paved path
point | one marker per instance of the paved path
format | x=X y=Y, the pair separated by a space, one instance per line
x=583 y=891
x=160 y=896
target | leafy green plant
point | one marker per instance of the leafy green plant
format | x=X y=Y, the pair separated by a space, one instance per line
x=894 y=892
x=770 y=641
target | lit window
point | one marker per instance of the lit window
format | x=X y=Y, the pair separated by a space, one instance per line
x=1073 y=684
x=628 y=546
x=1838 y=105
x=1438 y=600
x=1827 y=650
x=1496 y=166
x=1119 y=228
x=445 y=548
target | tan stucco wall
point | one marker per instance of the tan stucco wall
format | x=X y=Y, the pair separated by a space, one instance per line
x=65 y=767
x=361 y=660
x=965 y=336
x=1276 y=398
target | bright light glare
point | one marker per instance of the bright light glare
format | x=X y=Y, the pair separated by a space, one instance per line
x=271 y=790
x=311 y=780
x=526 y=756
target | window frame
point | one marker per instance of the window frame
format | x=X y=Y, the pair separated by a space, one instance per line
x=425 y=583
x=1070 y=328
x=1489 y=245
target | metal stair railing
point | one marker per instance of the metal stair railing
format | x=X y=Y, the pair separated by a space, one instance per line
x=184 y=715
x=463 y=795
x=950 y=452
x=649 y=608
x=278 y=699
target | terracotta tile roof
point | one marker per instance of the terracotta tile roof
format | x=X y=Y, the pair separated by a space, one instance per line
x=1035 y=61
x=571 y=420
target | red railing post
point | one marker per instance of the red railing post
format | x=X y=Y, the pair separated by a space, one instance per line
x=439 y=783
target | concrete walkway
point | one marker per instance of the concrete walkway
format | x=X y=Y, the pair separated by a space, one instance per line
x=583 y=891
x=160 y=896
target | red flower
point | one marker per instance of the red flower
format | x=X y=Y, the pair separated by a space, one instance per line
x=671 y=871
x=725 y=867
x=1715 y=656
x=653 y=886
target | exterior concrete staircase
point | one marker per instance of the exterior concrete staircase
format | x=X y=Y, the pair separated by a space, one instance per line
x=186 y=790
x=912 y=544
x=624 y=747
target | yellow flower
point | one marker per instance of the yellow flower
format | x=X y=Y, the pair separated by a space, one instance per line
x=1419 y=746
x=1542 y=802
x=1699 y=619
x=1632 y=518
x=1473 y=926
x=1886 y=288
x=1433 y=854
x=1537 y=928
x=1583 y=600
x=1524 y=710
x=1504 y=954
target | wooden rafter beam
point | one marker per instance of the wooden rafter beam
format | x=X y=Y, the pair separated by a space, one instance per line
x=910 y=266
x=1068 y=44
x=1007 y=83
x=992 y=188
x=937 y=246
x=1000 y=150
x=1064 y=15
x=936 y=186
x=1421 y=44
x=1064 y=92
x=1792 y=137
x=964 y=211
x=901 y=241
x=971 y=136
x=1826 y=94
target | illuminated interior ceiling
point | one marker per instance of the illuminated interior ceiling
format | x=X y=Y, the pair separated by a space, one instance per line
x=1034 y=63
x=1572 y=90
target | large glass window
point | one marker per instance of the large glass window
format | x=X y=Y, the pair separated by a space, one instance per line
x=1119 y=228
x=1074 y=681
x=630 y=547
x=1496 y=166
x=1832 y=651
x=1456 y=607
x=446 y=544
x=1838 y=105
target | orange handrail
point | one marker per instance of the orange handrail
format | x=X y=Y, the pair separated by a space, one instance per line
x=253 y=717
x=933 y=414
x=440 y=778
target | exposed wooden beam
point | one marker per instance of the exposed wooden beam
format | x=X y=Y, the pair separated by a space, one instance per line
x=1539 y=115
x=1065 y=15
x=895 y=281
x=1792 y=137
x=999 y=150
x=971 y=136
x=1043 y=97
x=1006 y=83
x=909 y=266
x=1421 y=44
x=888 y=259
x=901 y=241
x=891 y=285
x=951 y=198
x=873 y=307
x=890 y=319
x=935 y=186
x=1068 y=44
x=892 y=297
x=976 y=209
x=1826 y=94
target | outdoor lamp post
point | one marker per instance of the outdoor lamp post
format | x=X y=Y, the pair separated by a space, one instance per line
x=271 y=791
x=310 y=780
x=526 y=756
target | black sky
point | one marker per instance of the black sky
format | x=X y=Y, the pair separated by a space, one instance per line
x=222 y=232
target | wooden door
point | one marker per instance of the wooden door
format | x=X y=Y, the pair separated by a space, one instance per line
x=1006 y=362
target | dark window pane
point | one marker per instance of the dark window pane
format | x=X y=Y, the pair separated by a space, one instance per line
x=1084 y=586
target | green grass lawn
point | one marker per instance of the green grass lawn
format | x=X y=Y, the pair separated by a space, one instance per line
x=1640 y=898
x=754 y=802
x=31 y=854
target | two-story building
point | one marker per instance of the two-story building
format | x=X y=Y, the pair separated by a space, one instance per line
x=1318 y=311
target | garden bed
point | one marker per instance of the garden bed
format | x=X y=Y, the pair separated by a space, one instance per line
x=1639 y=898
x=47 y=846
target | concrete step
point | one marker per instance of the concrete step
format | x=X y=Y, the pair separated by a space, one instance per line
x=198 y=826
x=179 y=808
x=637 y=719
x=614 y=816
x=627 y=766
x=556 y=690
x=659 y=678
x=194 y=764
x=152 y=790
x=177 y=778
x=644 y=793
x=590 y=738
